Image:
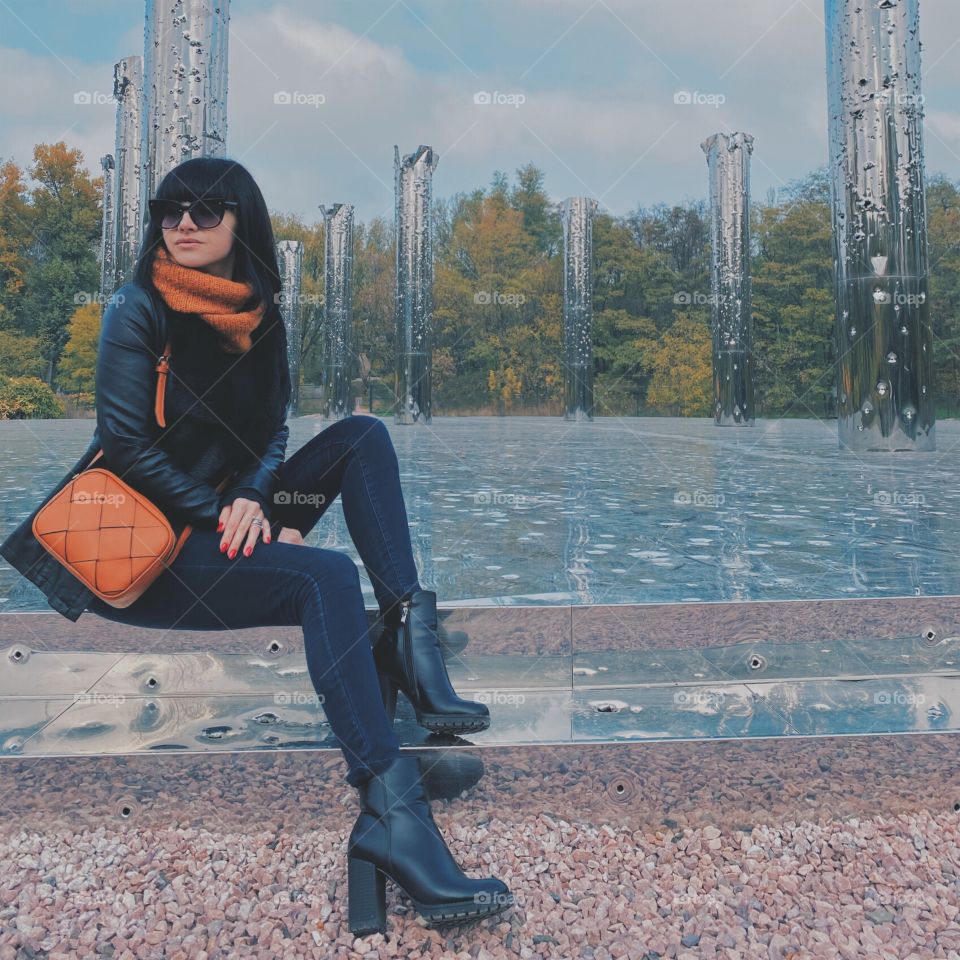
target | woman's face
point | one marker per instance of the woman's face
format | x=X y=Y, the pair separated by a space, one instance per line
x=210 y=250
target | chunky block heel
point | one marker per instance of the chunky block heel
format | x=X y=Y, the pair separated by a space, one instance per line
x=367 y=896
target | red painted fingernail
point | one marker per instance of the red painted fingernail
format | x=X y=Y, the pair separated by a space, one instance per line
x=232 y=554
x=247 y=551
x=220 y=526
x=223 y=547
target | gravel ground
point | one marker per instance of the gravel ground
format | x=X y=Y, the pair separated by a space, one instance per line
x=871 y=888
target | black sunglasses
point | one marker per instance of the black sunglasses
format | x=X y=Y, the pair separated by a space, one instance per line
x=205 y=213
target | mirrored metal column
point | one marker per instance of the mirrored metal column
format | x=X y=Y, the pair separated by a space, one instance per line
x=577 y=216
x=128 y=91
x=338 y=310
x=728 y=163
x=884 y=340
x=290 y=264
x=414 y=301
x=107 y=238
x=185 y=85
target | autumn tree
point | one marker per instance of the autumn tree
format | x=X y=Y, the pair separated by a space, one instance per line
x=680 y=363
x=65 y=224
x=15 y=242
x=79 y=363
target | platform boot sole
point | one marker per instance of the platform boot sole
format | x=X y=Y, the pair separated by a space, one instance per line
x=435 y=723
x=366 y=892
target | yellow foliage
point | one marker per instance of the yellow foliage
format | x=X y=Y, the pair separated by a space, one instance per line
x=77 y=371
x=681 y=365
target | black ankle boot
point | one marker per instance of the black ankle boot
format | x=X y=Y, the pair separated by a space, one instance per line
x=395 y=836
x=408 y=657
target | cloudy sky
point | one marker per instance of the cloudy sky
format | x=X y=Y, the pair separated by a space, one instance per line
x=583 y=89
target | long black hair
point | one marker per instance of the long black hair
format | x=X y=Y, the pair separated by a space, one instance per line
x=255 y=262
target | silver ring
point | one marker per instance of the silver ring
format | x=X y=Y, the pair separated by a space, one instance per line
x=257 y=522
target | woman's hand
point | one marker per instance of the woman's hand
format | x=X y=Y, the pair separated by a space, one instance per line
x=236 y=522
x=290 y=535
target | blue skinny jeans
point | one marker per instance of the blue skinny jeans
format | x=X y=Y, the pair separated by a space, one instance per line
x=285 y=584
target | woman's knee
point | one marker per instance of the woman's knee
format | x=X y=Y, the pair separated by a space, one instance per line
x=368 y=430
x=332 y=591
x=331 y=570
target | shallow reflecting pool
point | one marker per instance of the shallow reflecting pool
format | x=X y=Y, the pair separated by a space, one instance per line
x=534 y=510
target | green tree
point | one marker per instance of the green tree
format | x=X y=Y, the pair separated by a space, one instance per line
x=14 y=241
x=943 y=251
x=793 y=302
x=19 y=355
x=65 y=226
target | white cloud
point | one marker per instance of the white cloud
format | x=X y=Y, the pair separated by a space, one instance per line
x=623 y=130
x=946 y=125
x=43 y=109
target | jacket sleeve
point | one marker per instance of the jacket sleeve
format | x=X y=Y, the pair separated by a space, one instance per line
x=257 y=479
x=126 y=383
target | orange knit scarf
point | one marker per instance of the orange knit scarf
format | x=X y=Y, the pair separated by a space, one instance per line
x=216 y=300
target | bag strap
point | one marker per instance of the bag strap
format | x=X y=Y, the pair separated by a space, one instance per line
x=163 y=368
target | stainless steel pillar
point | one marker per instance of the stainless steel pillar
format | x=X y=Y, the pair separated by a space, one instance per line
x=577 y=216
x=728 y=163
x=290 y=264
x=185 y=85
x=414 y=301
x=884 y=340
x=128 y=92
x=107 y=238
x=338 y=310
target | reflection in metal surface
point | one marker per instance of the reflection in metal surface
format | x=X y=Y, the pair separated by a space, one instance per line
x=107 y=237
x=728 y=162
x=624 y=672
x=883 y=333
x=290 y=262
x=854 y=659
x=185 y=86
x=338 y=309
x=733 y=784
x=129 y=94
x=413 y=185
x=106 y=723
x=632 y=628
x=790 y=518
x=577 y=216
x=897 y=634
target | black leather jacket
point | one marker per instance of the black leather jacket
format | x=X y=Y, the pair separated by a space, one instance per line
x=132 y=336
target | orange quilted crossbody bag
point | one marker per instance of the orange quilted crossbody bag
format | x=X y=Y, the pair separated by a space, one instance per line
x=106 y=534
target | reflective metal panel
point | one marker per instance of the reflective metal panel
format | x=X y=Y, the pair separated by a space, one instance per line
x=338 y=309
x=733 y=784
x=107 y=237
x=728 y=162
x=883 y=334
x=185 y=85
x=577 y=216
x=413 y=184
x=290 y=262
x=129 y=94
